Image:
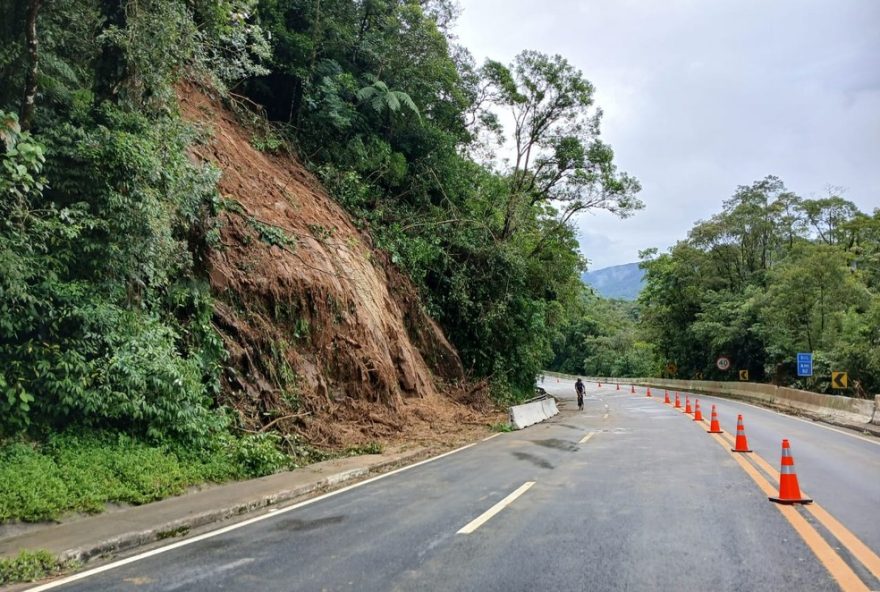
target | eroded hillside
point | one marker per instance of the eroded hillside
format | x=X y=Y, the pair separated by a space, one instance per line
x=326 y=338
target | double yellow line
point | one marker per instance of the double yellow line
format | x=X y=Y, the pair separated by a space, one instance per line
x=840 y=571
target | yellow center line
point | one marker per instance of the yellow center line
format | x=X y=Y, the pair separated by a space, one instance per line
x=839 y=570
x=587 y=437
x=487 y=515
x=860 y=550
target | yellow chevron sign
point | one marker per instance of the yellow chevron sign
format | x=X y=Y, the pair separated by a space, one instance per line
x=743 y=374
x=839 y=380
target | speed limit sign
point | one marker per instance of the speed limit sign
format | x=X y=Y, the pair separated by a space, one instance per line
x=723 y=363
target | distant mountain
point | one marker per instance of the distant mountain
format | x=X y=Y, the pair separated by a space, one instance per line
x=620 y=281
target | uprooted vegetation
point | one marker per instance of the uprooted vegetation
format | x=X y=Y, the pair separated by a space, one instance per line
x=326 y=339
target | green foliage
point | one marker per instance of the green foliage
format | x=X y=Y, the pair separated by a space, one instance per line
x=82 y=471
x=390 y=115
x=232 y=45
x=21 y=164
x=258 y=454
x=105 y=312
x=602 y=338
x=768 y=277
x=29 y=566
x=369 y=448
x=501 y=427
x=104 y=323
x=273 y=235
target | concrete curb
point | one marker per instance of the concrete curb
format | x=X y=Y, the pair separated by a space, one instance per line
x=175 y=528
x=128 y=540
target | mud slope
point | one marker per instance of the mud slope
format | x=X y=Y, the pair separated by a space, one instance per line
x=326 y=339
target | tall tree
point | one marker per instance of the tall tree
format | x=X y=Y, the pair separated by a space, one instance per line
x=558 y=157
x=29 y=100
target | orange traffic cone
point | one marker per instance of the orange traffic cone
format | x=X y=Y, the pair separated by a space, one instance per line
x=789 y=492
x=687 y=405
x=649 y=392
x=714 y=426
x=742 y=445
x=698 y=415
x=677 y=402
x=666 y=398
x=632 y=389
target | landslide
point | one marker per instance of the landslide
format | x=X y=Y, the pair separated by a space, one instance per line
x=327 y=340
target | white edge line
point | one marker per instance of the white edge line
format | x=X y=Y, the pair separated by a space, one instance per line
x=231 y=527
x=818 y=424
x=485 y=516
x=587 y=437
x=486 y=439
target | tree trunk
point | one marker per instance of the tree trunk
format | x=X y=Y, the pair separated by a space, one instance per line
x=28 y=103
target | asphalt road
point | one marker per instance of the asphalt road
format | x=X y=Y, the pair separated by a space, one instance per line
x=626 y=495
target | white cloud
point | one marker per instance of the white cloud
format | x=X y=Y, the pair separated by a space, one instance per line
x=700 y=97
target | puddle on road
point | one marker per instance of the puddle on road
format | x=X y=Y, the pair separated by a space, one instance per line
x=295 y=524
x=557 y=444
x=535 y=460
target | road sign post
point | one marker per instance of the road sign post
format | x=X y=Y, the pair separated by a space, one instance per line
x=722 y=363
x=743 y=374
x=805 y=364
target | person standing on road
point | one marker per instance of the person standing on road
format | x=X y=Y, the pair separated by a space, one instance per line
x=579 y=388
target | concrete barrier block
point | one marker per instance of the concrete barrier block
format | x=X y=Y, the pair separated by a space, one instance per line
x=522 y=416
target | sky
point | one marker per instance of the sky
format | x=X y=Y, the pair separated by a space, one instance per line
x=702 y=96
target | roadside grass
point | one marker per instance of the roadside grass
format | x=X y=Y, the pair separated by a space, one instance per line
x=29 y=566
x=81 y=472
x=502 y=426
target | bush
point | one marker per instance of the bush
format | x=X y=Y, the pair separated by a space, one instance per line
x=81 y=472
x=258 y=454
x=28 y=566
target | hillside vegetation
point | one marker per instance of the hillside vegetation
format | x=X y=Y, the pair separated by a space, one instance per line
x=175 y=282
x=771 y=275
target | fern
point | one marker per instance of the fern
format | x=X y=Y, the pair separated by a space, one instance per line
x=381 y=99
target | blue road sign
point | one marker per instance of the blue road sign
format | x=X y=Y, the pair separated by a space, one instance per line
x=805 y=364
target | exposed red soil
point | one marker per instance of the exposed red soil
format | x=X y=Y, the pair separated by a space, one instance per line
x=326 y=339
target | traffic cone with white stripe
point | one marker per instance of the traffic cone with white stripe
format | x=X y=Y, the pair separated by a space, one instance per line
x=741 y=445
x=687 y=405
x=698 y=415
x=677 y=401
x=789 y=492
x=649 y=392
x=714 y=426
x=666 y=398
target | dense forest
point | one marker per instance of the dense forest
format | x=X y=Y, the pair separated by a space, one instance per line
x=771 y=275
x=466 y=175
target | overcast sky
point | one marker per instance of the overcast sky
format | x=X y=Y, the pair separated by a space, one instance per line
x=701 y=96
